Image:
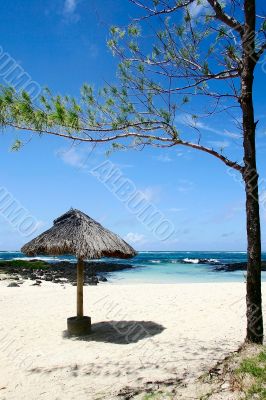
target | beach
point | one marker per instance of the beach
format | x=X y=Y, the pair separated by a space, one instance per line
x=141 y=333
x=132 y=200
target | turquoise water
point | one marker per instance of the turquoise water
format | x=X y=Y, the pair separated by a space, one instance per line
x=166 y=267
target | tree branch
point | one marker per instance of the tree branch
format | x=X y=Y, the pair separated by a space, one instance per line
x=154 y=12
x=91 y=139
x=171 y=142
x=214 y=153
x=222 y=16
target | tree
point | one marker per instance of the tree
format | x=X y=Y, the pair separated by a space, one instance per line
x=194 y=49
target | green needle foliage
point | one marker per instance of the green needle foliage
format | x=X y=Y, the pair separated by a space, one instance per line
x=157 y=80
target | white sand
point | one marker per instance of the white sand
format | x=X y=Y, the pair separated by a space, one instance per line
x=193 y=326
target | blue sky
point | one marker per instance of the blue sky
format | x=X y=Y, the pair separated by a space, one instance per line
x=62 y=44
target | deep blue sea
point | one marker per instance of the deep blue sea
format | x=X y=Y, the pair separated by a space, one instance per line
x=166 y=267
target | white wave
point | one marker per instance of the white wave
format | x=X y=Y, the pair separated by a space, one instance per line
x=158 y=251
x=234 y=252
x=191 y=260
x=155 y=261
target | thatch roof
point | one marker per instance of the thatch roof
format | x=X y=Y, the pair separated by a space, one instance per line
x=77 y=234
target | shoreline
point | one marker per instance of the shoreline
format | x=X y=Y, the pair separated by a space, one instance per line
x=62 y=272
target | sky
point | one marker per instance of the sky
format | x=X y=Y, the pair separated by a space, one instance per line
x=62 y=44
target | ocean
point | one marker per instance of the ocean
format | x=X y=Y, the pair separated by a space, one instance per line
x=166 y=266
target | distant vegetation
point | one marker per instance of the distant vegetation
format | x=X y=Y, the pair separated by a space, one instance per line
x=38 y=264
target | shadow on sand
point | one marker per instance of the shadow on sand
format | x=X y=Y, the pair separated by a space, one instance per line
x=120 y=332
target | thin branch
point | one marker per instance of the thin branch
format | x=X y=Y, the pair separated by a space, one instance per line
x=154 y=12
x=214 y=153
x=171 y=142
x=222 y=16
x=219 y=76
x=91 y=139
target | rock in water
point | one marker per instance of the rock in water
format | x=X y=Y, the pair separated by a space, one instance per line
x=102 y=279
x=35 y=284
x=93 y=280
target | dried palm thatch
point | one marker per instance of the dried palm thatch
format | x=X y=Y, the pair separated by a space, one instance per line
x=77 y=234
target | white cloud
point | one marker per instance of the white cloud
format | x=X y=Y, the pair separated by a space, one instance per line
x=176 y=210
x=232 y=134
x=70 y=12
x=72 y=157
x=93 y=50
x=151 y=193
x=163 y=158
x=195 y=8
x=228 y=234
x=184 y=185
x=70 y=6
x=229 y=212
x=122 y=166
x=86 y=157
x=134 y=237
x=219 y=143
x=189 y=121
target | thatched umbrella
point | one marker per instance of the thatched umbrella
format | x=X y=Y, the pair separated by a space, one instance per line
x=77 y=234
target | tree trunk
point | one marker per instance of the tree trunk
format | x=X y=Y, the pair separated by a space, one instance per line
x=253 y=298
x=250 y=175
x=80 y=282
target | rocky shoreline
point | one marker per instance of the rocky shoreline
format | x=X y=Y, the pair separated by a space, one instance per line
x=242 y=266
x=38 y=271
x=60 y=272
x=218 y=266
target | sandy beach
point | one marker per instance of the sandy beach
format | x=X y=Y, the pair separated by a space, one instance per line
x=141 y=333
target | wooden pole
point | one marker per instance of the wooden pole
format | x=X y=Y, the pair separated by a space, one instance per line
x=80 y=282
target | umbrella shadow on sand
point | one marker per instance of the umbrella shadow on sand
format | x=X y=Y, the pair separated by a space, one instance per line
x=120 y=332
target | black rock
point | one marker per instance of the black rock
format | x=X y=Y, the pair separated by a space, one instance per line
x=240 y=266
x=92 y=280
x=102 y=279
x=13 y=284
x=12 y=270
x=64 y=269
x=15 y=278
x=57 y=280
